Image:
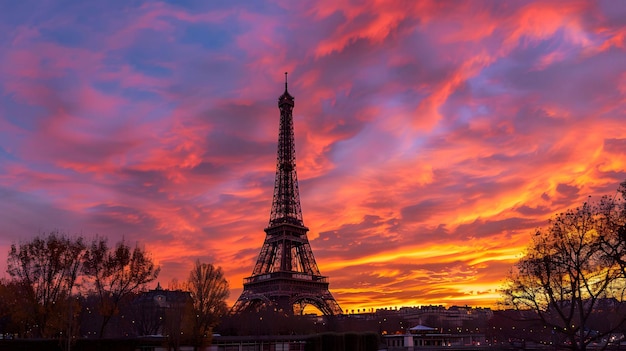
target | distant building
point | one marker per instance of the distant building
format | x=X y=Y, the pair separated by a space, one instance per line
x=155 y=311
x=421 y=336
x=449 y=318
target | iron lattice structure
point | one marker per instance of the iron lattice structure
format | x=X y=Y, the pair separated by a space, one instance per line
x=285 y=276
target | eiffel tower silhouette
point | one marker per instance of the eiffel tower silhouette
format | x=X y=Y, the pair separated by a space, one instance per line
x=285 y=276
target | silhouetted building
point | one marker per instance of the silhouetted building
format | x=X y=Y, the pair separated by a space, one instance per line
x=158 y=311
x=449 y=318
x=421 y=336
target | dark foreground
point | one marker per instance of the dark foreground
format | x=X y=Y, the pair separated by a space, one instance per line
x=317 y=342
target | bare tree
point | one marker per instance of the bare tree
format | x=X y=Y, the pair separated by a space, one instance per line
x=49 y=267
x=571 y=271
x=116 y=273
x=209 y=291
x=613 y=219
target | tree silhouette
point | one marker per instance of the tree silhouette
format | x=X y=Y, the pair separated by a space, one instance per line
x=48 y=267
x=116 y=273
x=573 y=270
x=209 y=291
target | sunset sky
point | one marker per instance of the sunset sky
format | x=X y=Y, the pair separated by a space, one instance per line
x=432 y=138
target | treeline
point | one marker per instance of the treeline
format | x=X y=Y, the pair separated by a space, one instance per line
x=66 y=288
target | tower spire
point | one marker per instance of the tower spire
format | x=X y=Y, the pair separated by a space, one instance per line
x=286 y=201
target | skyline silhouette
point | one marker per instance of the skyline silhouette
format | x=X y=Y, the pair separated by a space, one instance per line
x=432 y=138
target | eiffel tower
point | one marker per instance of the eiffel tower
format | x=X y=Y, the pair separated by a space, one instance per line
x=286 y=277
